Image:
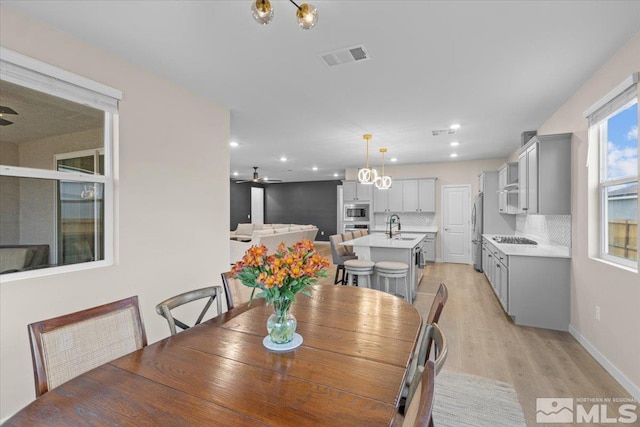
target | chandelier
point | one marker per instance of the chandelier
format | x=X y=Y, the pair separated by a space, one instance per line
x=307 y=14
x=367 y=175
x=383 y=182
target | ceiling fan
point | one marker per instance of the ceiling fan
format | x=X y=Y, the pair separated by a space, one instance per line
x=3 y=111
x=257 y=179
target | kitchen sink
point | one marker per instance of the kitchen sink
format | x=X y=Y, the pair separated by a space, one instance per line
x=403 y=238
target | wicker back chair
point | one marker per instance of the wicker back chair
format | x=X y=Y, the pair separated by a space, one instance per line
x=67 y=346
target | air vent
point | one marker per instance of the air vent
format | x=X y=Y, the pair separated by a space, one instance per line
x=443 y=132
x=526 y=136
x=345 y=56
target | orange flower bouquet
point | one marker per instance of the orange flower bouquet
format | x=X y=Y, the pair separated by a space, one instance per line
x=279 y=277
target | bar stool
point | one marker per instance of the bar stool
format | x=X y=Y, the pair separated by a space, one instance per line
x=358 y=267
x=394 y=270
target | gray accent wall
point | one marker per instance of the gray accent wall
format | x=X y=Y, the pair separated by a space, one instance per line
x=240 y=203
x=304 y=203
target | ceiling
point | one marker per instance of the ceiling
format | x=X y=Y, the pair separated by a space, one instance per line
x=497 y=68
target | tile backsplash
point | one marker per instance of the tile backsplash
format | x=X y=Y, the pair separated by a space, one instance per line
x=411 y=219
x=554 y=229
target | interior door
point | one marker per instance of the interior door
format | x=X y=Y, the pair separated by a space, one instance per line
x=456 y=220
x=257 y=205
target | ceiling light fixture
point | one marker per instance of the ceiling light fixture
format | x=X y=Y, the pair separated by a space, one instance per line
x=453 y=155
x=455 y=126
x=454 y=144
x=367 y=175
x=307 y=14
x=283 y=159
x=383 y=182
x=393 y=159
x=315 y=168
x=335 y=174
x=233 y=144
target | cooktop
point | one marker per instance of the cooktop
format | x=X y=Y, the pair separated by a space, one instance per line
x=514 y=240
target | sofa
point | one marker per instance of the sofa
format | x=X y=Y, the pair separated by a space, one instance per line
x=14 y=258
x=270 y=236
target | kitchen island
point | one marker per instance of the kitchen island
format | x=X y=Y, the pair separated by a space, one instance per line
x=403 y=248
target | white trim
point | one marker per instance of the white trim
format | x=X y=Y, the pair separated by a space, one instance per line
x=626 y=84
x=23 y=61
x=618 y=375
x=50 y=271
x=22 y=172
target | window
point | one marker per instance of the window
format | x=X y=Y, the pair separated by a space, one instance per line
x=56 y=178
x=615 y=125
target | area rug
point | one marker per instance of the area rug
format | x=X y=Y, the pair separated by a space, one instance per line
x=464 y=400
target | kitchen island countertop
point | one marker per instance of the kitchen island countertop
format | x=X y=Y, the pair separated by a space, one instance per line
x=380 y=240
x=410 y=228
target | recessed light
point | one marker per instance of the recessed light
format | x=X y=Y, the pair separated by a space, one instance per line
x=393 y=159
x=233 y=144
x=453 y=155
x=315 y=168
x=335 y=174
x=235 y=174
x=283 y=159
x=454 y=144
x=455 y=126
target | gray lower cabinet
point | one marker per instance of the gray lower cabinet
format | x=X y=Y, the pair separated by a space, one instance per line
x=429 y=247
x=534 y=291
x=539 y=292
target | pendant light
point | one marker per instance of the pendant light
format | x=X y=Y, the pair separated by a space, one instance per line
x=306 y=14
x=367 y=175
x=383 y=182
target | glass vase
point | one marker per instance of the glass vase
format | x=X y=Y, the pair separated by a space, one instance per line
x=281 y=324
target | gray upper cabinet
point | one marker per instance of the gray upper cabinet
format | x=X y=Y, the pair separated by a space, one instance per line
x=508 y=188
x=419 y=195
x=427 y=195
x=353 y=191
x=390 y=200
x=410 y=196
x=544 y=175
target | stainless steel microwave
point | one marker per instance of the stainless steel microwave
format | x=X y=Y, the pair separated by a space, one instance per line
x=356 y=212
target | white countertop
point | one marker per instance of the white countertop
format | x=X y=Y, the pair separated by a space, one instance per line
x=539 y=250
x=380 y=240
x=410 y=228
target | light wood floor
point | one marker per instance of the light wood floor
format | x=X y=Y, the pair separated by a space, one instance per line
x=484 y=341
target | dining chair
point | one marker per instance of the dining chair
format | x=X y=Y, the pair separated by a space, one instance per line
x=227 y=278
x=339 y=256
x=419 y=412
x=442 y=295
x=164 y=308
x=348 y=235
x=67 y=346
x=433 y=335
x=235 y=291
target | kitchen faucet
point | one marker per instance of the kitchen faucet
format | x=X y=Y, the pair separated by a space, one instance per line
x=391 y=220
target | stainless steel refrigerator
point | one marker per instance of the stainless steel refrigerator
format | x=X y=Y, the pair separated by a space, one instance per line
x=476 y=224
x=486 y=219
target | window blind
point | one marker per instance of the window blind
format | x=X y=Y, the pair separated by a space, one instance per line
x=624 y=93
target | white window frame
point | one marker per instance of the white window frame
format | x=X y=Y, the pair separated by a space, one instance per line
x=28 y=72
x=604 y=184
x=619 y=98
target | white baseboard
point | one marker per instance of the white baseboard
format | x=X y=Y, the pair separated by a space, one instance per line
x=625 y=382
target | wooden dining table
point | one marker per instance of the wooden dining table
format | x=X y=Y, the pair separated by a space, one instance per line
x=349 y=370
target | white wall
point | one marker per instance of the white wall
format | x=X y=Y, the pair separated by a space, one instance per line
x=615 y=339
x=172 y=207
